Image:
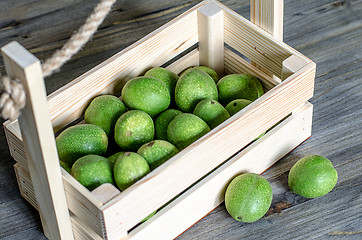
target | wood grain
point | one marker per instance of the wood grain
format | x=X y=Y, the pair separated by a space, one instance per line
x=210 y=20
x=328 y=32
x=39 y=142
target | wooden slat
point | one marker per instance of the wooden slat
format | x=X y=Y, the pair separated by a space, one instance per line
x=254 y=43
x=206 y=195
x=190 y=59
x=236 y=64
x=108 y=77
x=210 y=19
x=39 y=142
x=189 y=165
x=82 y=203
x=268 y=15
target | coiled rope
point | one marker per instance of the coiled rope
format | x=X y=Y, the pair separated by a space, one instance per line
x=12 y=95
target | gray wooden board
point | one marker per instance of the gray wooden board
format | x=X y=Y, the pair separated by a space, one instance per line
x=328 y=32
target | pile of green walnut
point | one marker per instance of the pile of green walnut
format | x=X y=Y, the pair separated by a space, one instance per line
x=159 y=115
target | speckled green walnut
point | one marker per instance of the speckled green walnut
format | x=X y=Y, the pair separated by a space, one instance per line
x=80 y=140
x=147 y=94
x=92 y=171
x=239 y=86
x=168 y=77
x=312 y=176
x=186 y=128
x=104 y=111
x=248 y=197
x=207 y=70
x=236 y=105
x=128 y=169
x=212 y=112
x=193 y=86
x=162 y=121
x=133 y=129
x=157 y=152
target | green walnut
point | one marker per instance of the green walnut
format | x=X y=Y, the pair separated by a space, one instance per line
x=147 y=94
x=92 y=171
x=186 y=128
x=312 y=176
x=248 y=197
x=80 y=140
x=133 y=129
x=193 y=86
x=128 y=169
x=212 y=112
x=104 y=111
x=239 y=86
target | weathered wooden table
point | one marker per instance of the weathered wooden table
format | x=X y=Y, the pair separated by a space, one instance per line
x=328 y=32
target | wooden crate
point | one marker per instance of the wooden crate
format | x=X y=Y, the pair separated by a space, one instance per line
x=208 y=34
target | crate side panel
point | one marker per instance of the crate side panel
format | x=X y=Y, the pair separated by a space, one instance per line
x=69 y=102
x=80 y=230
x=206 y=195
x=189 y=165
x=189 y=60
x=235 y=64
x=80 y=201
x=256 y=44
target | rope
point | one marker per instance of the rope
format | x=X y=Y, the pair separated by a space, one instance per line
x=12 y=95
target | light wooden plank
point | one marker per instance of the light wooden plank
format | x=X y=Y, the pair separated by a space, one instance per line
x=188 y=166
x=268 y=15
x=236 y=64
x=206 y=195
x=210 y=19
x=39 y=142
x=254 y=43
x=105 y=192
x=108 y=77
x=190 y=59
x=291 y=65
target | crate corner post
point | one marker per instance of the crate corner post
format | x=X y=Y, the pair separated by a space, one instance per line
x=39 y=142
x=210 y=19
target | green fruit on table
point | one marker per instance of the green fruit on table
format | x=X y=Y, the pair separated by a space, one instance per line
x=186 y=128
x=162 y=121
x=80 y=140
x=312 y=176
x=92 y=171
x=248 y=197
x=239 y=86
x=236 y=105
x=133 y=129
x=113 y=158
x=157 y=152
x=104 y=111
x=212 y=112
x=168 y=77
x=128 y=169
x=147 y=94
x=193 y=86
x=207 y=70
